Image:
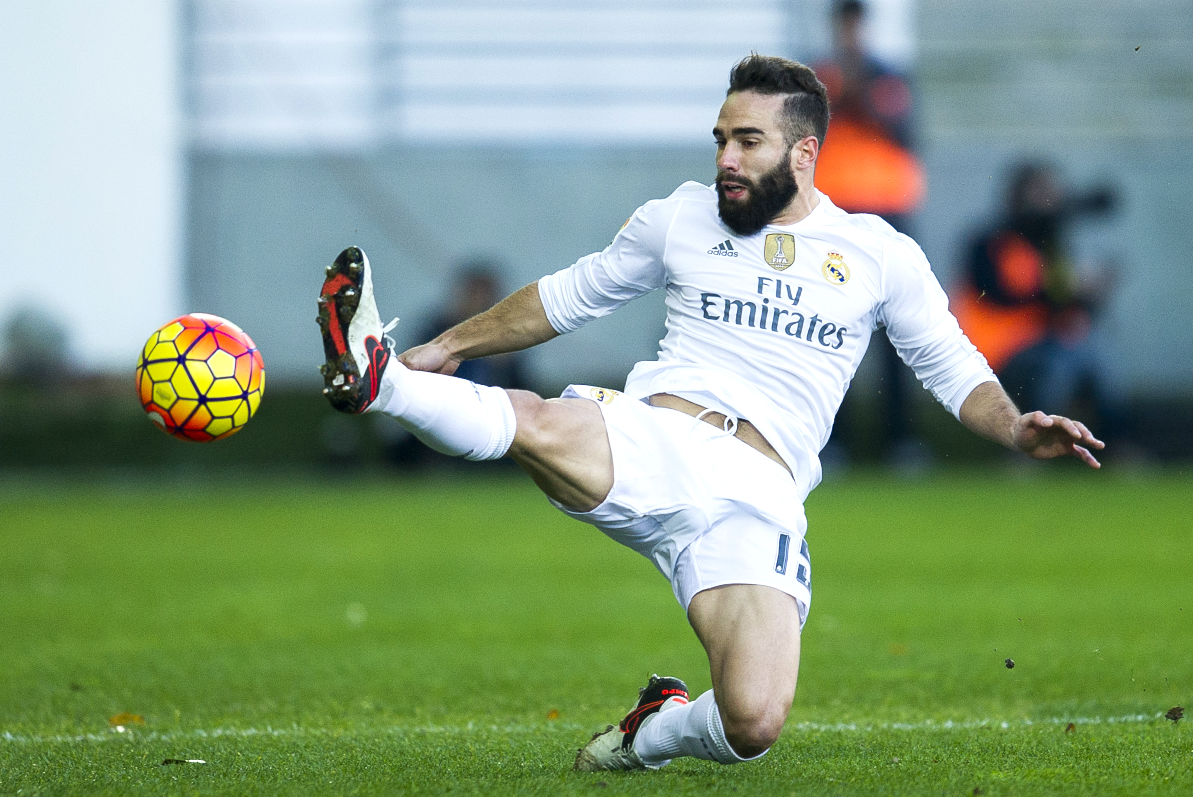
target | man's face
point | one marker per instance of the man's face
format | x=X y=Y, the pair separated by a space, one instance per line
x=754 y=172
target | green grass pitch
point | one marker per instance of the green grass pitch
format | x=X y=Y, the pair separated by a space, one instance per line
x=405 y=635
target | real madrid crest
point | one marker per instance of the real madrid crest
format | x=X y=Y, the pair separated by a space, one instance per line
x=602 y=395
x=834 y=269
x=779 y=251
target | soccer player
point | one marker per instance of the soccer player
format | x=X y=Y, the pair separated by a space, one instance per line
x=703 y=463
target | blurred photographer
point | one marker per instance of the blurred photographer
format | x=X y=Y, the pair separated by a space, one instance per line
x=1028 y=306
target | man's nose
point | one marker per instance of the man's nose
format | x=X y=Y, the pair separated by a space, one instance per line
x=727 y=159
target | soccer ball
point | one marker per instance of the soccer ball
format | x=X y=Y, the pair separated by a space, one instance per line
x=200 y=378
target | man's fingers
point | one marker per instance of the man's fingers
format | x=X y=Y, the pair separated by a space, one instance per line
x=1074 y=428
x=1089 y=438
x=1086 y=456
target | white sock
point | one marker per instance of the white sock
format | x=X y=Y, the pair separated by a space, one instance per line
x=451 y=415
x=693 y=729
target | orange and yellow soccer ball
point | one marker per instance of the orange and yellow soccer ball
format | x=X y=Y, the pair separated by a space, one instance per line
x=200 y=378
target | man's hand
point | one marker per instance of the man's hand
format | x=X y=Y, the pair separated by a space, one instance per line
x=515 y=323
x=431 y=357
x=1041 y=435
x=989 y=412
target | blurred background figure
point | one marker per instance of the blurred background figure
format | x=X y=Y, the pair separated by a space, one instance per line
x=1028 y=305
x=868 y=164
x=476 y=287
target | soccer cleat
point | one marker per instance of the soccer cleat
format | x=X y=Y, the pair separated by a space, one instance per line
x=356 y=351
x=612 y=748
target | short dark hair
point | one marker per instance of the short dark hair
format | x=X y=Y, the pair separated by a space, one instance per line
x=849 y=9
x=805 y=109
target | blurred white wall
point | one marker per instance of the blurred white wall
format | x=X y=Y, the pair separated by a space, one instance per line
x=90 y=171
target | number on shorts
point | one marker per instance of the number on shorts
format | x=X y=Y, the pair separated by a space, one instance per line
x=803 y=569
x=781 y=559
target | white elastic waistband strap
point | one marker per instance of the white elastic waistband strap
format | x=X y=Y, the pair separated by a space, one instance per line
x=729 y=425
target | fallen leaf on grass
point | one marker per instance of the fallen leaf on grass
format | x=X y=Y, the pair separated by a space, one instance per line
x=125 y=718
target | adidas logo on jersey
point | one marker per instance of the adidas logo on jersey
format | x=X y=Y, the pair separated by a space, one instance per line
x=725 y=248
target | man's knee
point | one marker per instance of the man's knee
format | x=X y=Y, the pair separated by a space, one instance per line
x=555 y=424
x=563 y=445
x=751 y=732
x=534 y=427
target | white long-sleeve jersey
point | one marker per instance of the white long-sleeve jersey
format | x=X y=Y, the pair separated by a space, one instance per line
x=771 y=327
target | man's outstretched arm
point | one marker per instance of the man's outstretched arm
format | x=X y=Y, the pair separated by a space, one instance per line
x=989 y=412
x=515 y=323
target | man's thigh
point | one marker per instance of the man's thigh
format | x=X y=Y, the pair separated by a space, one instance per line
x=751 y=634
x=562 y=444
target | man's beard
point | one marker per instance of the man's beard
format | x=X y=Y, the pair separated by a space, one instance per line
x=764 y=200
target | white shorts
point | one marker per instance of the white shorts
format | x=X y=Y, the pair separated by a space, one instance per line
x=704 y=506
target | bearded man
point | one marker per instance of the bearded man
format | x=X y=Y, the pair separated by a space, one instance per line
x=702 y=464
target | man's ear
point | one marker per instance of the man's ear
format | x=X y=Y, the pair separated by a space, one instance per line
x=804 y=153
